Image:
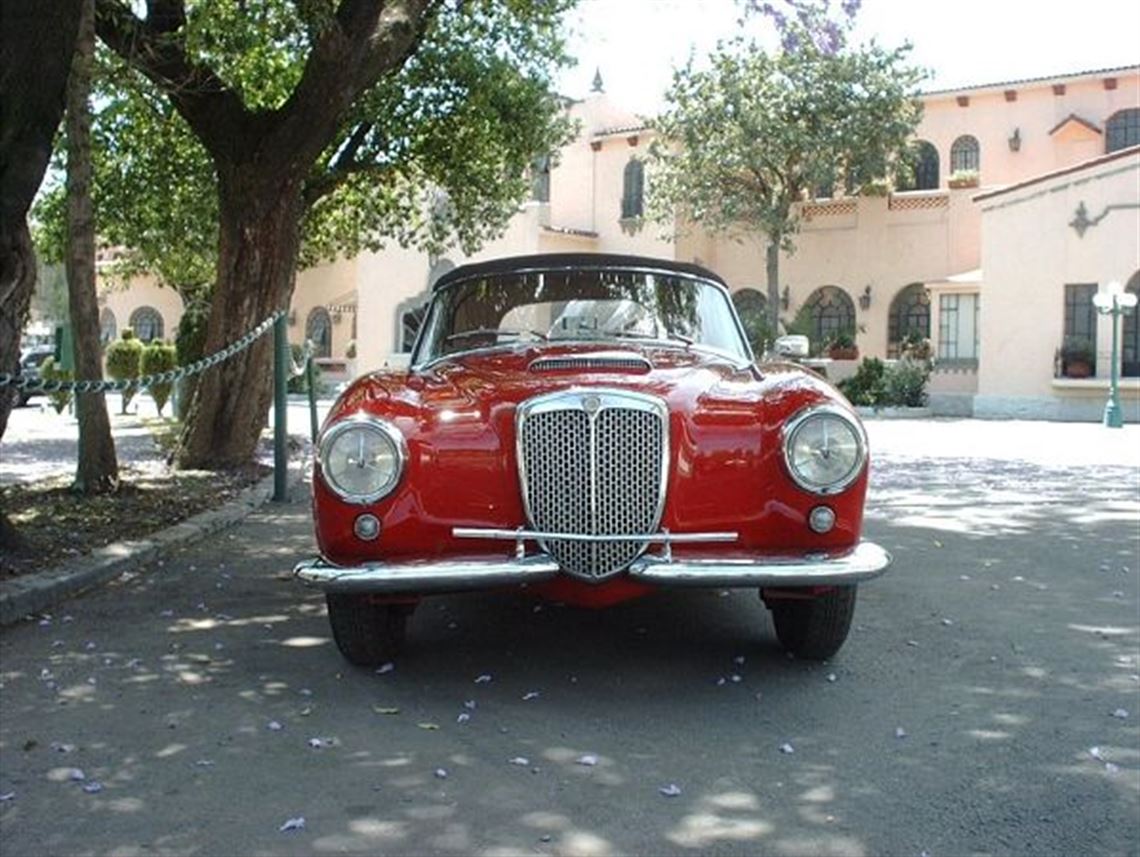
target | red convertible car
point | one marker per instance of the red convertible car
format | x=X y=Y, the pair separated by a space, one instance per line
x=593 y=427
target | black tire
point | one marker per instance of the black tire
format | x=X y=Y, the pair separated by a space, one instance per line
x=815 y=628
x=367 y=634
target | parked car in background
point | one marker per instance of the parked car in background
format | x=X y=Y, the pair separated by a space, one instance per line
x=31 y=360
x=594 y=427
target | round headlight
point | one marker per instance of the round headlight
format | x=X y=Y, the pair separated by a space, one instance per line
x=362 y=459
x=824 y=449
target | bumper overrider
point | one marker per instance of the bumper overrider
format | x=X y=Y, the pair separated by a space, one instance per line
x=458 y=573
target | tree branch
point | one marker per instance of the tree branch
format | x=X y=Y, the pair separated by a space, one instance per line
x=156 y=48
x=322 y=185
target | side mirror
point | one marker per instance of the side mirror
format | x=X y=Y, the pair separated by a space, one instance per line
x=793 y=345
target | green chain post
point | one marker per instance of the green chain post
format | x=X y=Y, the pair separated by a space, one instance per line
x=281 y=363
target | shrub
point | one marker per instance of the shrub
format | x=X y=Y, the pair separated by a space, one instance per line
x=123 y=359
x=299 y=383
x=158 y=357
x=905 y=383
x=50 y=372
x=190 y=345
x=190 y=340
x=867 y=387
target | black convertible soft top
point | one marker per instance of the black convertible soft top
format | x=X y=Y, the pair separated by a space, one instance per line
x=555 y=261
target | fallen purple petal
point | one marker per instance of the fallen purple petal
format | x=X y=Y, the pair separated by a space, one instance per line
x=483 y=679
x=463 y=717
x=589 y=760
x=534 y=694
x=1120 y=713
x=440 y=774
x=671 y=790
x=787 y=748
x=521 y=761
x=292 y=824
x=385 y=668
x=93 y=788
x=7 y=796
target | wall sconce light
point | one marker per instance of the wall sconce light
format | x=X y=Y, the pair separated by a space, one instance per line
x=865 y=298
x=1015 y=140
x=786 y=298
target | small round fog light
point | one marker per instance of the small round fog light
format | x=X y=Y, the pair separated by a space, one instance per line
x=821 y=519
x=367 y=527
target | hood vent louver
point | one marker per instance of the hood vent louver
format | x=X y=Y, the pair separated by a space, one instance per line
x=620 y=361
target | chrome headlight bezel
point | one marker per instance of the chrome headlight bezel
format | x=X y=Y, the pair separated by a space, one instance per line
x=790 y=432
x=381 y=428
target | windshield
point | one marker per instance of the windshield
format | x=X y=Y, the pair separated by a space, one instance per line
x=580 y=305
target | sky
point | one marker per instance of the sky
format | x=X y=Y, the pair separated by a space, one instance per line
x=636 y=43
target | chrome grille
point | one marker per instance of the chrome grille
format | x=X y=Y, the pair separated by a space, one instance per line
x=593 y=463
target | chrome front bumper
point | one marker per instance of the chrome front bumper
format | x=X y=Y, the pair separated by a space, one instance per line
x=458 y=574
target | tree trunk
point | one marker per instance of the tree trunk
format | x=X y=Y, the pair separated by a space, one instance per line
x=260 y=209
x=773 y=272
x=97 y=471
x=36 y=43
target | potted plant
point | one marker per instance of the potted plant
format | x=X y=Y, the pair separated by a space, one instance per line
x=916 y=346
x=963 y=178
x=1077 y=356
x=842 y=346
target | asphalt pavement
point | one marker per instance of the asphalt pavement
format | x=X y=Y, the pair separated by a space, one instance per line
x=987 y=701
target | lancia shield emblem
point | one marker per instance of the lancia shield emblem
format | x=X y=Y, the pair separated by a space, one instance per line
x=591 y=404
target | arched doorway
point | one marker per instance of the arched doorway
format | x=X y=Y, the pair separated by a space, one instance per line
x=318 y=330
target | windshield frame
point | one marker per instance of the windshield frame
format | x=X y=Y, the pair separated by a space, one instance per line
x=745 y=357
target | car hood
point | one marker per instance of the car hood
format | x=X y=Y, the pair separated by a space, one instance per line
x=693 y=382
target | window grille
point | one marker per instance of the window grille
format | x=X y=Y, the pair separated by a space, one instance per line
x=147 y=323
x=633 y=185
x=1122 y=130
x=909 y=313
x=108 y=325
x=832 y=312
x=965 y=154
x=958 y=328
x=318 y=330
x=410 y=322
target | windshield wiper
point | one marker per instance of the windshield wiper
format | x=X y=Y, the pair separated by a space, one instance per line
x=493 y=331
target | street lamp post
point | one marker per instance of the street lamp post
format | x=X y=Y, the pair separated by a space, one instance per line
x=1114 y=302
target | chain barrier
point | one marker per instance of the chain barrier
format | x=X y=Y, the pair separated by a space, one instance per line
x=38 y=385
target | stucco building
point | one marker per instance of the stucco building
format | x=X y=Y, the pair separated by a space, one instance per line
x=1025 y=204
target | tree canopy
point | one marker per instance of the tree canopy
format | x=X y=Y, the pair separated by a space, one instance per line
x=311 y=129
x=457 y=125
x=743 y=140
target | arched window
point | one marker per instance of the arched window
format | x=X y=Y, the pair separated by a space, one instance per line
x=965 y=154
x=410 y=322
x=832 y=312
x=752 y=307
x=146 y=322
x=1130 y=349
x=632 y=188
x=1122 y=129
x=924 y=162
x=318 y=330
x=909 y=313
x=108 y=325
